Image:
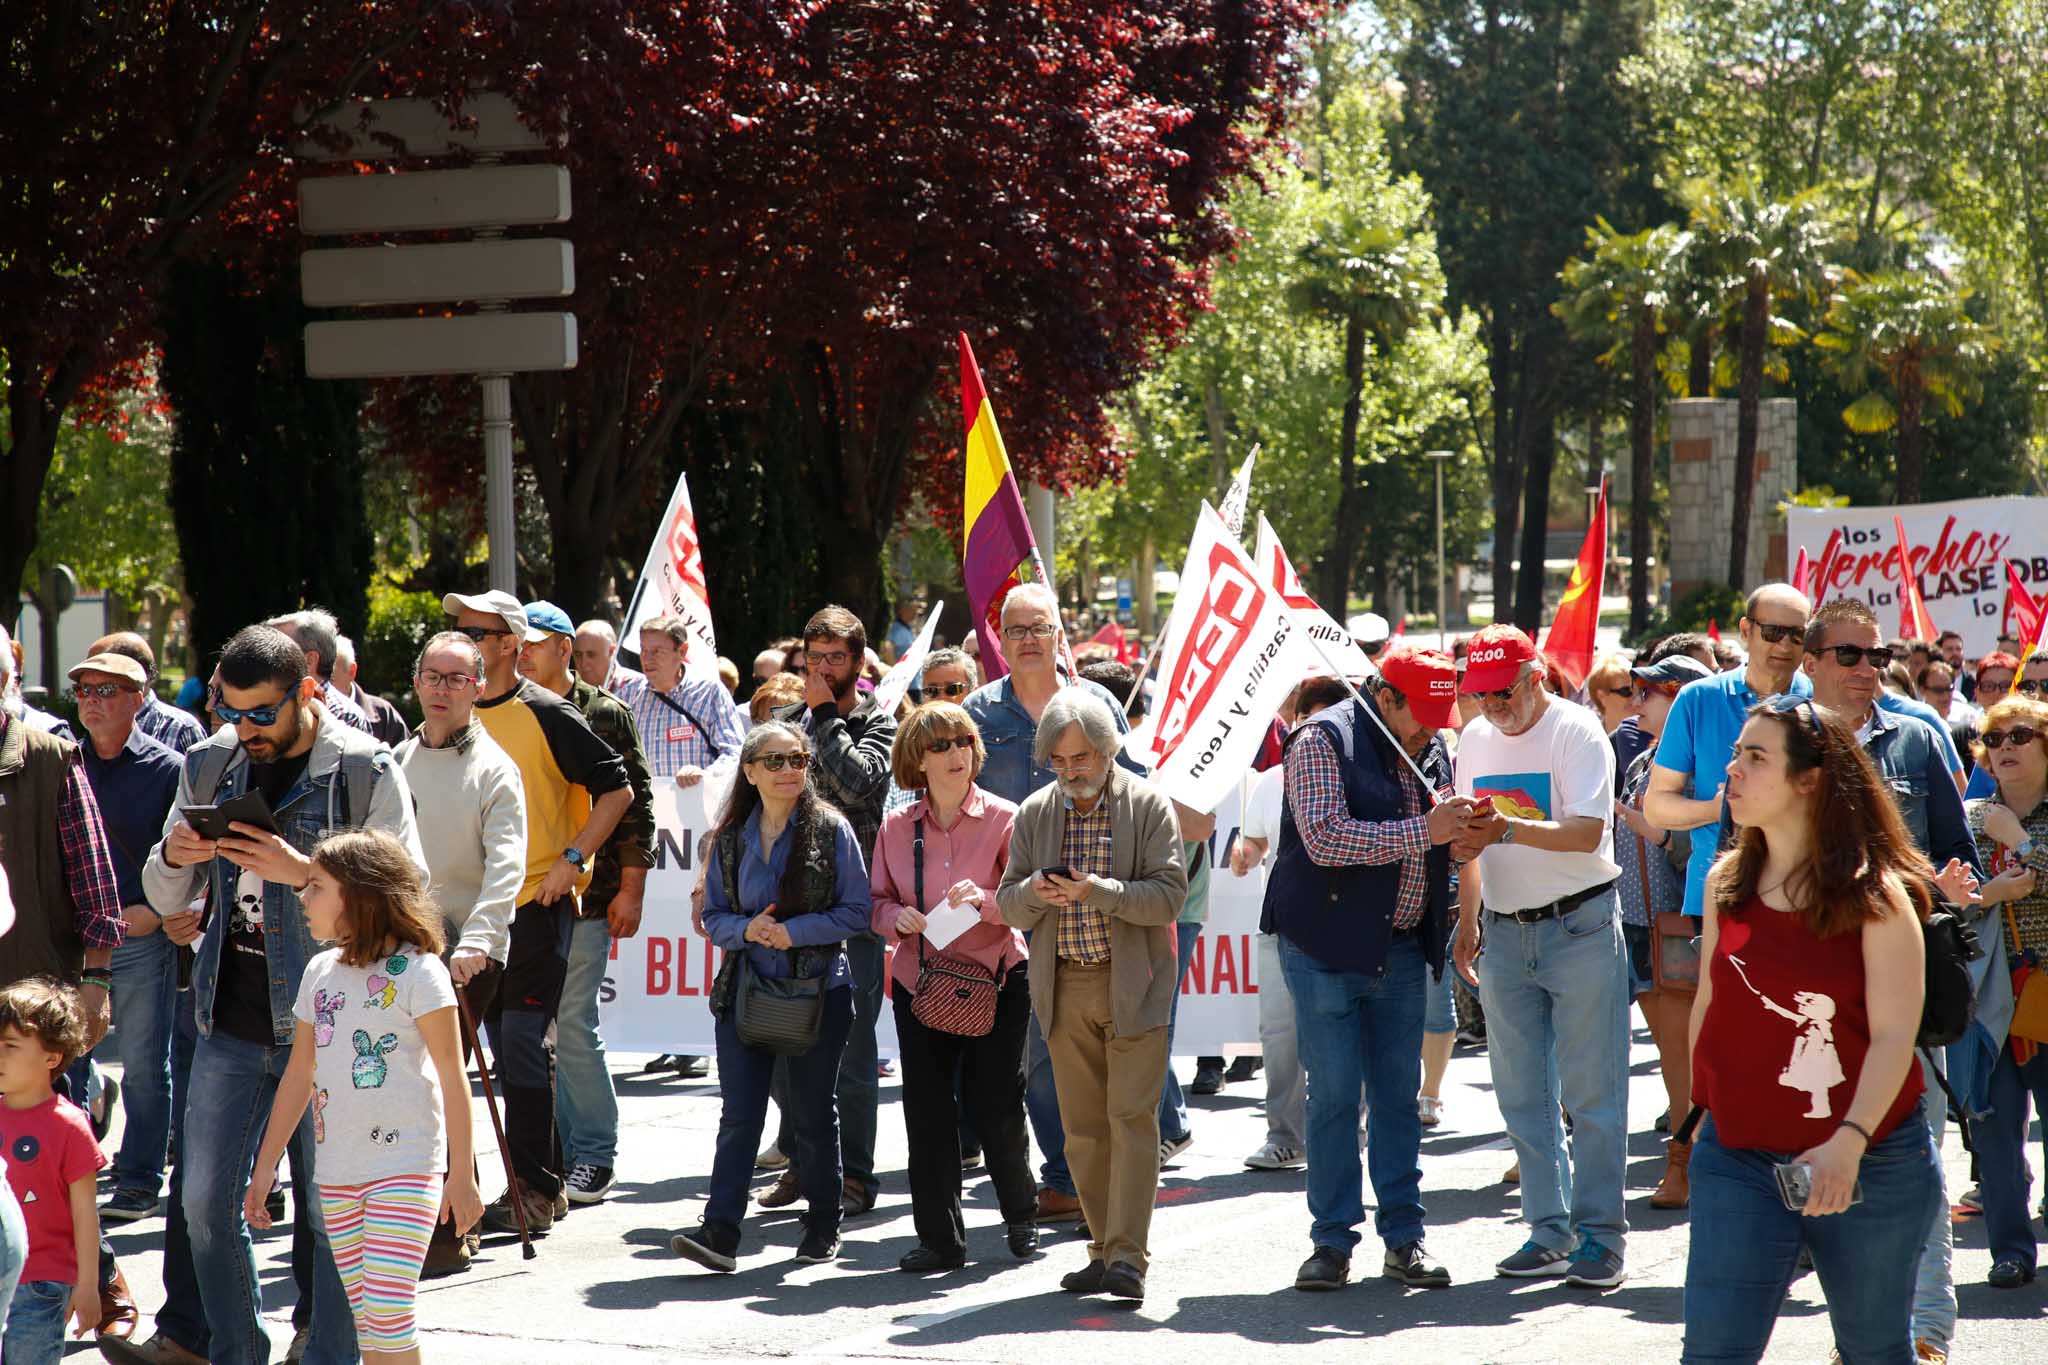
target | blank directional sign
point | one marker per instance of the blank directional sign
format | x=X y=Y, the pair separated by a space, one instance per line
x=362 y=131
x=428 y=201
x=441 y=272
x=484 y=343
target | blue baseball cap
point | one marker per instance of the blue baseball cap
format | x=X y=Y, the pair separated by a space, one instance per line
x=544 y=619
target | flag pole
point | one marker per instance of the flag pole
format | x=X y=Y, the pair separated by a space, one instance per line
x=1428 y=792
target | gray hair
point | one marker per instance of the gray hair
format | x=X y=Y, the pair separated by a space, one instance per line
x=344 y=652
x=1076 y=706
x=601 y=628
x=452 y=639
x=940 y=658
x=1032 y=594
x=315 y=629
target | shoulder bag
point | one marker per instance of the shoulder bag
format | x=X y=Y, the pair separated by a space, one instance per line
x=773 y=1014
x=952 y=996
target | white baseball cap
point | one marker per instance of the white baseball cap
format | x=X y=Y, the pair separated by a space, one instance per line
x=502 y=605
x=1369 y=628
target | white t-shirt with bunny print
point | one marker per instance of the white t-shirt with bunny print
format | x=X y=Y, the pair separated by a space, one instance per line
x=376 y=1099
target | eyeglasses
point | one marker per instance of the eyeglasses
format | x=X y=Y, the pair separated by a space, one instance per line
x=959 y=689
x=2031 y=687
x=435 y=678
x=1848 y=656
x=100 y=691
x=1041 y=631
x=1937 y=691
x=775 y=763
x=949 y=743
x=836 y=659
x=1777 y=634
x=2020 y=735
x=482 y=633
x=1504 y=694
x=1625 y=693
x=260 y=716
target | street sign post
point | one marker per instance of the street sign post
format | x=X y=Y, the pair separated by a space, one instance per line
x=489 y=270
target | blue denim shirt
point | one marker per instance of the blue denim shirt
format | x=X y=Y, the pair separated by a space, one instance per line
x=760 y=882
x=1913 y=762
x=1008 y=734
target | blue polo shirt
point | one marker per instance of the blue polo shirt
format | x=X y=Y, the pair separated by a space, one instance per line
x=134 y=789
x=1698 y=740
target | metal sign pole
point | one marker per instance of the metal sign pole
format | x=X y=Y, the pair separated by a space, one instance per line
x=498 y=519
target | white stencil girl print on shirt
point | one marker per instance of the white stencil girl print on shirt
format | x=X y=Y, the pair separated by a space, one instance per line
x=1814 y=1066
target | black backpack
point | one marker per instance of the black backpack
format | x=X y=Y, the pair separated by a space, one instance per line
x=1951 y=987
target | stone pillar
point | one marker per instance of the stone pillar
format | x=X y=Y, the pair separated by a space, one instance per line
x=1703 y=490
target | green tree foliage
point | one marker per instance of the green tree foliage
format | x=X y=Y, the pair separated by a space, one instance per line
x=266 y=469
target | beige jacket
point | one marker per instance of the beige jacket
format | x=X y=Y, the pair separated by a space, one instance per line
x=1142 y=902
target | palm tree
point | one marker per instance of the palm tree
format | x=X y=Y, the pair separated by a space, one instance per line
x=1760 y=252
x=1899 y=338
x=1617 y=296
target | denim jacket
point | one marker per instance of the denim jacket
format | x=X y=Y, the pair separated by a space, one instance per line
x=1008 y=734
x=1910 y=759
x=313 y=808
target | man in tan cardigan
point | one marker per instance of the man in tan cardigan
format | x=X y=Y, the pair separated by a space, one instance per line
x=1095 y=865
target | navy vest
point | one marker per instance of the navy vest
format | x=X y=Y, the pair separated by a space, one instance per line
x=1343 y=917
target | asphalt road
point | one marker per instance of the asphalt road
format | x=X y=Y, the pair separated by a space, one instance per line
x=1225 y=1243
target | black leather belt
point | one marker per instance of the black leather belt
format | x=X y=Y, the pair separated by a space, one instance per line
x=1557 y=908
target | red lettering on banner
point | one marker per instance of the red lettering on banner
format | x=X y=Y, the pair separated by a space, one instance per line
x=1841 y=570
x=1226 y=967
x=1251 y=964
x=1191 y=980
x=712 y=957
x=659 y=955
x=1231 y=603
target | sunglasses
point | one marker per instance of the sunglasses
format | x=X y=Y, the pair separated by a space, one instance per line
x=482 y=633
x=775 y=763
x=101 y=691
x=1848 y=656
x=2031 y=687
x=2020 y=735
x=260 y=716
x=1625 y=693
x=1804 y=708
x=949 y=743
x=1776 y=634
x=949 y=690
x=1502 y=694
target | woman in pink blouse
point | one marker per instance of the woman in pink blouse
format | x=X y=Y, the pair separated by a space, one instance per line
x=950 y=937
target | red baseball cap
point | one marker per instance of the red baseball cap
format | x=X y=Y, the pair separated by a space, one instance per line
x=1494 y=657
x=1427 y=678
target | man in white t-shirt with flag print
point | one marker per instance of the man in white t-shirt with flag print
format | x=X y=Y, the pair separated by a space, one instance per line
x=1553 y=978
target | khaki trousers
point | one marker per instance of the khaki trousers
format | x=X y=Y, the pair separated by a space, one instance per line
x=1109 y=1101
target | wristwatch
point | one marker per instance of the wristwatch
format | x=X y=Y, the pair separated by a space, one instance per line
x=574 y=855
x=2024 y=849
x=1507 y=834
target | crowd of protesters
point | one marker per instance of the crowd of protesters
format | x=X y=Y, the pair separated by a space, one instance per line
x=291 y=907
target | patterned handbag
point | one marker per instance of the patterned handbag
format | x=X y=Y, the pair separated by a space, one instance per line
x=952 y=996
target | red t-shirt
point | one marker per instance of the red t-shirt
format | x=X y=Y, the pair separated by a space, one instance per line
x=1785 y=1035
x=47 y=1149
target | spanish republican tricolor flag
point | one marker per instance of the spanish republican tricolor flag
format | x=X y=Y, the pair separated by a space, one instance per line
x=998 y=551
x=1570 y=644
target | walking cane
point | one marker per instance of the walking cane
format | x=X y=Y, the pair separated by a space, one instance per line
x=483 y=1069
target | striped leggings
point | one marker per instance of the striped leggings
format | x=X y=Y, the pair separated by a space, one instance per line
x=379 y=1234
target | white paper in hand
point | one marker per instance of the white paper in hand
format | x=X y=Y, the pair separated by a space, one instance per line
x=948 y=922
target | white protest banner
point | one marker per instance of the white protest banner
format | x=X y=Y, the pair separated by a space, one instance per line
x=1239 y=495
x=1231 y=655
x=1959 y=552
x=655 y=995
x=671 y=583
x=1337 y=642
x=889 y=691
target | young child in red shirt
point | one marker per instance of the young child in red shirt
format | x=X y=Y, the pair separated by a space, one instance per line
x=52 y=1161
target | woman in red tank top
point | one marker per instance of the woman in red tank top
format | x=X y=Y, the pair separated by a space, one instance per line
x=1802 y=1049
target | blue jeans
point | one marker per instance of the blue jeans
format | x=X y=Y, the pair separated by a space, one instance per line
x=1173 y=1106
x=13 y=1246
x=1556 y=999
x=182 y=1319
x=859 y=1082
x=233 y=1084
x=1353 y=1029
x=144 y=1008
x=35 y=1323
x=1934 y=1288
x=2001 y=1137
x=586 y=1106
x=744 y=1076
x=1745 y=1249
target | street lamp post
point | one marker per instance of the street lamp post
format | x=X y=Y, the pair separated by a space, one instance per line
x=1443 y=620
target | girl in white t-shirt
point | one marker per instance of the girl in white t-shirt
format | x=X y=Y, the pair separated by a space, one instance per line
x=376 y=1056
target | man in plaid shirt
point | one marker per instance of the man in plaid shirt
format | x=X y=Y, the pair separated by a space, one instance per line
x=1360 y=899
x=686 y=723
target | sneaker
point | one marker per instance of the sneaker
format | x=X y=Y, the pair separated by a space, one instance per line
x=129 y=1205
x=818 y=1247
x=1169 y=1148
x=1533 y=1262
x=1430 y=1109
x=539 y=1209
x=158 y=1350
x=667 y=1061
x=1244 y=1068
x=693 y=1068
x=885 y=1068
x=712 y=1248
x=1472 y=1035
x=1412 y=1266
x=1595 y=1267
x=1277 y=1156
x=771 y=1159
x=587 y=1183
x=1208 y=1080
x=970 y=1158
x=1327 y=1268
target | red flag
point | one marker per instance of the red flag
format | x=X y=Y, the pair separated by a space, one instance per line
x=1714 y=630
x=1914 y=622
x=1115 y=636
x=1799 y=573
x=2022 y=616
x=1570 y=643
x=1400 y=628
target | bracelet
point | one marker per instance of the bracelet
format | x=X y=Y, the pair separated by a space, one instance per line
x=1665 y=842
x=1851 y=1123
x=96 y=976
